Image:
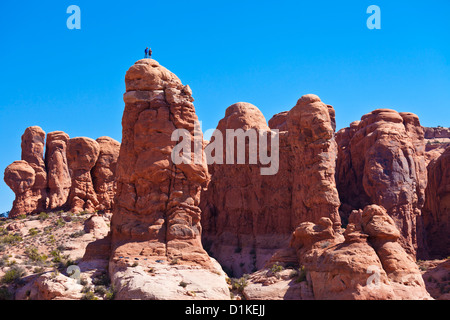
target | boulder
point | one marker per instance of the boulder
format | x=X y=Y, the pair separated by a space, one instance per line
x=366 y=263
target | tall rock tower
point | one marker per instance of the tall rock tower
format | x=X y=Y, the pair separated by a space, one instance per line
x=156 y=221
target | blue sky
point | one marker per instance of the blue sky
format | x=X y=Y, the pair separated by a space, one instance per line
x=263 y=52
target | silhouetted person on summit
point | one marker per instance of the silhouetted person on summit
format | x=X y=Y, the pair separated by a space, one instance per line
x=148 y=53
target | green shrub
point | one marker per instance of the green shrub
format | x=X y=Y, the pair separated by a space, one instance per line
x=3 y=232
x=5 y=294
x=4 y=260
x=13 y=275
x=89 y=296
x=60 y=223
x=239 y=284
x=57 y=257
x=51 y=239
x=102 y=280
x=34 y=255
x=78 y=234
x=33 y=232
x=11 y=239
x=276 y=268
x=38 y=270
x=100 y=290
x=43 y=216
x=301 y=275
x=110 y=293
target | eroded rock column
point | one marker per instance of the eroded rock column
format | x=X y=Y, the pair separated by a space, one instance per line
x=311 y=136
x=82 y=154
x=104 y=172
x=59 y=180
x=156 y=220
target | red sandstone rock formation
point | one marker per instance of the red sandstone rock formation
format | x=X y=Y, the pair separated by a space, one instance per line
x=82 y=154
x=59 y=180
x=33 y=152
x=104 y=172
x=52 y=180
x=367 y=263
x=436 y=212
x=382 y=161
x=311 y=136
x=156 y=220
x=249 y=217
x=246 y=215
x=28 y=178
x=437 y=133
x=21 y=177
x=278 y=121
x=437 y=140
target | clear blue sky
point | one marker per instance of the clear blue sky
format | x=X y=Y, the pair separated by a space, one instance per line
x=268 y=53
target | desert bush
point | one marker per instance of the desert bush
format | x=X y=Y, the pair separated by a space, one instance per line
x=43 y=216
x=5 y=294
x=13 y=274
x=110 y=293
x=78 y=234
x=33 y=254
x=33 y=232
x=11 y=239
x=60 y=223
x=276 y=268
x=239 y=284
x=89 y=296
x=102 y=280
x=100 y=290
x=301 y=275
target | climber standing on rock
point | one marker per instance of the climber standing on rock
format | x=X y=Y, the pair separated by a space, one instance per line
x=148 y=53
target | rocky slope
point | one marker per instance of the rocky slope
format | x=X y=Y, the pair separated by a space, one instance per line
x=40 y=252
